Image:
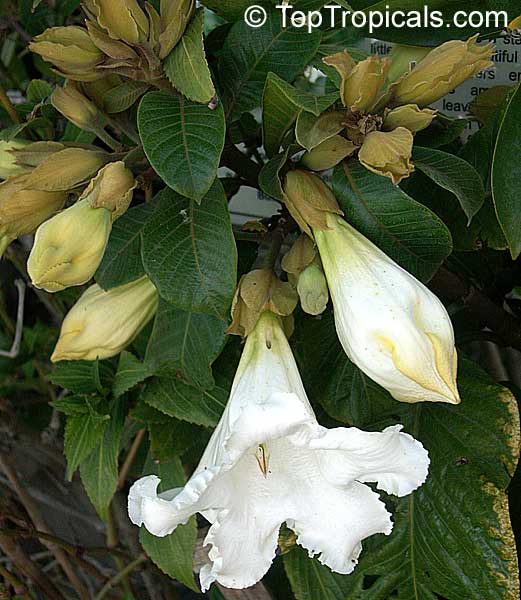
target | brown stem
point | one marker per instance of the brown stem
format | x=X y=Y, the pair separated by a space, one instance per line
x=130 y=458
x=480 y=306
x=28 y=567
x=7 y=104
x=40 y=524
x=121 y=575
x=15 y=583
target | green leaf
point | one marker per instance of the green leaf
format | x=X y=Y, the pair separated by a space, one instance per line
x=38 y=90
x=186 y=66
x=452 y=538
x=454 y=174
x=407 y=231
x=123 y=96
x=270 y=178
x=185 y=402
x=311 y=131
x=183 y=141
x=506 y=174
x=172 y=438
x=250 y=54
x=173 y=554
x=281 y=105
x=71 y=406
x=131 y=371
x=185 y=344
x=82 y=434
x=82 y=377
x=122 y=262
x=189 y=252
x=99 y=472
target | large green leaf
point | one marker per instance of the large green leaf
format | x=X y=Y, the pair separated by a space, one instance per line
x=186 y=66
x=123 y=96
x=250 y=54
x=131 y=371
x=281 y=105
x=183 y=141
x=173 y=554
x=99 y=472
x=82 y=376
x=185 y=344
x=403 y=228
x=506 y=174
x=453 y=174
x=122 y=262
x=82 y=434
x=185 y=402
x=189 y=252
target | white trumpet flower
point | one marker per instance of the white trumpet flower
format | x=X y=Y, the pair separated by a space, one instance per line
x=270 y=462
x=389 y=324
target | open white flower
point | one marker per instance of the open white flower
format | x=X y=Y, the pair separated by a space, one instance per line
x=270 y=462
x=389 y=324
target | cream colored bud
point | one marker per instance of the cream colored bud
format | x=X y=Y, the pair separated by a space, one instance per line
x=102 y=324
x=328 y=154
x=71 y=50
x=312 y=290
x=35 y=153
x=409 y=116
x=175 y=15
x=120 y=19
x=69 y=247
x=390 y=325
x=66 y=169
x=73 y=105
x=442 y=70
x=388 y=153
x=22 y=210
x=8 y=163
x=362 y=82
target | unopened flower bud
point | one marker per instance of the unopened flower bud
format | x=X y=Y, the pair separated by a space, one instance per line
x=66 y=169
x=116 y=49
x=442 y=70
x=102 y=324
x=409 y=116
x=362 y=82
x=73 y=105
x=312 y=290
x=388 y=153
x=328 y=154
x=175 y=15
x=389 y=324
x=69 y=247
x=71 y=50
x=121 y=19
x=8 y=164
x=22 y=210
x=34 y=153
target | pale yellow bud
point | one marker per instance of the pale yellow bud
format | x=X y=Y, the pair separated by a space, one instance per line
x=362 y=82
x=69 y=247
x=35 y=153
x=102 y=324
x=442 y=70
x=175 y=15
x=71 y=50
x=73 y=105
x=23 y=210
x=312 y=290
x=388 y=153
x=114 y=48
x=328 y=154
x=8 y=163
x=66 y=169
x=121 y=19
x=409 y=116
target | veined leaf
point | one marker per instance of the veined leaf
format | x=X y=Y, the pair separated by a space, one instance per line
x=454 y=174
x=185 y=344
x=82 y=434
x=183 y=141
x=123 y=96
x=407 y=231
x=189 y=252
x=186 y=66
x=131 y=371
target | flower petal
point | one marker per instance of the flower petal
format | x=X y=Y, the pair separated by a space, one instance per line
x=335 y=521
x=395 y=461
